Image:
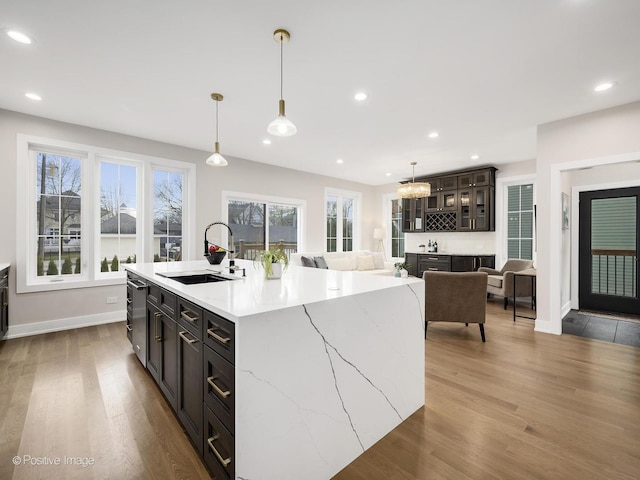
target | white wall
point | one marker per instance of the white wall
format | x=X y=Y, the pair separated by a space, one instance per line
x=30 y=311
x=606 y=137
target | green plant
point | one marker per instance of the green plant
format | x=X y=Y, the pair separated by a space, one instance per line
x=156 y=257
x=77 y=265
x=267 y=258
x=40 y=266
x=104 y=265
x=67 y=266
x=128 y=260
x=402 y=265
x=114 y=264
x=52 y=269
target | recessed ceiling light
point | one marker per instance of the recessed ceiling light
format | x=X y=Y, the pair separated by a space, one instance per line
x=266 y=141
x=603 y=86
x=475 y=157
x=387 y=174
x=434 y=135
x=33 y=96
x=20 y=37
x=339 y=160
x=360 y=96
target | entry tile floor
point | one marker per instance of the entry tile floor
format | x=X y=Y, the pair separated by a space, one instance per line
x=601 y=328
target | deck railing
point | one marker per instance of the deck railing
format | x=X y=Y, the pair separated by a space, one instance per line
x=248 y=251
x=614 y=272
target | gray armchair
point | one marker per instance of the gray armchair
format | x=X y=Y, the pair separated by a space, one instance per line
x=500 y=282
x=455 y=297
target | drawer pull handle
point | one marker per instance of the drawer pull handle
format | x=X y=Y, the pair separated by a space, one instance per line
x=137 y=286
x=129 y=301
x=223 y=461
x=156 y=316
x=432 y=269
x=213 y=334
x=223 y=394
x=4 y=277
x=129 y=328
x=189 y=318
x=184 y=337
x=435 y=259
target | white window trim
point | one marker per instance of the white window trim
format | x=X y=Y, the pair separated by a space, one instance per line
x=386 y=223
x=501 y=219
x=257 y=198
x=357 y=217
x=25 y=229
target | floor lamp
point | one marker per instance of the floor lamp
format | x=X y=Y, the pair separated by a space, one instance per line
x=380 y=234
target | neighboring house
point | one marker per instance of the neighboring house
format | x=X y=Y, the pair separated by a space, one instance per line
x=167 y=239
x=61 y=220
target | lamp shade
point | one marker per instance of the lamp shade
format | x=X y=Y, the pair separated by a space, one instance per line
x=379 y=233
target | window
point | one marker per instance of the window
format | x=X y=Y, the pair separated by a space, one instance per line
x=397 y=235
x=118 y=215
x=258 y=223
x=167 y=215
x=58 y=214
x=84 y=213
x=520 y=221
x=342 y=212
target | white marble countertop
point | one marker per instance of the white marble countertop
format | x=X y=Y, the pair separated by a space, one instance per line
x=253 y=294
x=4 y=265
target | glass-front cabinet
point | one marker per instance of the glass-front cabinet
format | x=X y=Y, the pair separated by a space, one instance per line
x=413 y=214
x=475 y=209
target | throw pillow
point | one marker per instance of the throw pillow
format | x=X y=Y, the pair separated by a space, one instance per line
x=342 y=264
x=378 y=260
x=365 y=262
x=307 y=262
x=320 y=262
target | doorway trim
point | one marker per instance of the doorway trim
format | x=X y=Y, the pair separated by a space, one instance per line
x=550 y=321
x=575 y=195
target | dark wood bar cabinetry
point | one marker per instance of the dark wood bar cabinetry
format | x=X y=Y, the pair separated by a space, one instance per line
x=461 y=201
x=4 y=299
x=421 y=262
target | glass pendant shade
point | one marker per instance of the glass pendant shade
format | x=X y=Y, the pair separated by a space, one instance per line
x=414 y=189
x=217 y=160
x=282 y=126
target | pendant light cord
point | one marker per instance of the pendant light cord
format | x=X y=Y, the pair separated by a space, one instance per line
x=217 y=102
x=281 y=39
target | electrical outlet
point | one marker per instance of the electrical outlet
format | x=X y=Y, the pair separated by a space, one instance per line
x=112 y=299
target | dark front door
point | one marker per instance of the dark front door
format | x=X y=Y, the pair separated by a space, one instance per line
x=608 y=250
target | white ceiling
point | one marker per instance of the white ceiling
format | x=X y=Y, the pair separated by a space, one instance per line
x=483 y=73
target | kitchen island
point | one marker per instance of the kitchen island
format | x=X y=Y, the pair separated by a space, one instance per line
x=299 y=375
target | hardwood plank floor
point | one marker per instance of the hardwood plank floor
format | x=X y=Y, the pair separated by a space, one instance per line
x=524 y=405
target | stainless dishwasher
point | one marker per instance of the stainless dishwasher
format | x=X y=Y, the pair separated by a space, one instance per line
x=137 y=306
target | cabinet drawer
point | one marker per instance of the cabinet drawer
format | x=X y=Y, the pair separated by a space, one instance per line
x=190 y=316
x=435 y=263
x=219 y=387
x=219 y=447
x=219 y=334
x=161 y=298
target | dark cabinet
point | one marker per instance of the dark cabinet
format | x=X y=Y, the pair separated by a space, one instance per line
x=460 y=201
x=162 y=353
x=190 y=385
x=475 y=212
x=137 y=316
x=219 y=447
x=413 y=214
x=412 y=260
x=437 y=262
x=4 y=302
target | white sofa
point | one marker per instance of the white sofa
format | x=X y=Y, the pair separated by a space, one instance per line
x=349 y=261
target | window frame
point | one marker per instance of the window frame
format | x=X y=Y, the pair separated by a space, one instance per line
x=387 y=220
x=356 y=197
x=301 y=204
x=27 y=146
x=502 y=206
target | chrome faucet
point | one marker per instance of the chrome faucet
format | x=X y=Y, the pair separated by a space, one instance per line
x=230 y=250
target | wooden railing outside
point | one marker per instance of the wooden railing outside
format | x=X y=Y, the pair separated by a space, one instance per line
x=248 y=251
x=614 y=272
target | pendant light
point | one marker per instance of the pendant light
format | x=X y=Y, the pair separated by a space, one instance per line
x=414 y=189
x=281 y=126
x=217 y=160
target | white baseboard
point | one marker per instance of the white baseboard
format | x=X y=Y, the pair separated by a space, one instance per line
x=566 y=308
x=16 y=331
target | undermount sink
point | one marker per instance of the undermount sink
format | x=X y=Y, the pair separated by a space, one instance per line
x=191 y=278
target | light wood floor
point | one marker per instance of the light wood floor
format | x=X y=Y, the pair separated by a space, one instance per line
x=524 y=405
